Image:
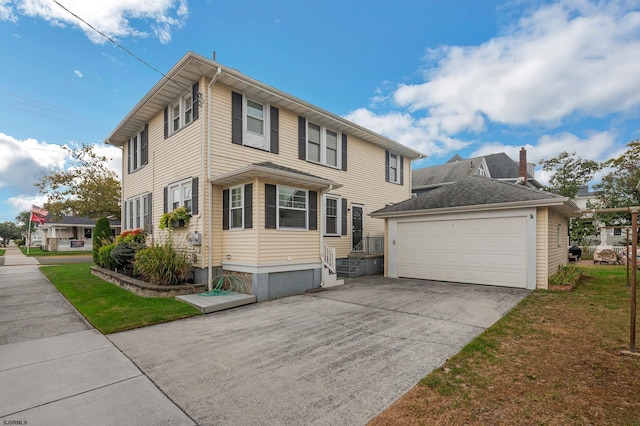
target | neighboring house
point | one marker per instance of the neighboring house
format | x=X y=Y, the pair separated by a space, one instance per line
x=495 y=166
x=478 y=230
x=69 y=233
x=279 y=189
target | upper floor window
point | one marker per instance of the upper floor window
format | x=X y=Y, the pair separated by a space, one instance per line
x=322 y=145
x=138 y=149
x=182 y=111
x=394 y=168
x=182 y=194
x=254 y=123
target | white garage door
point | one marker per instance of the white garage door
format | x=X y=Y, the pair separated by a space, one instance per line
x=481 y=251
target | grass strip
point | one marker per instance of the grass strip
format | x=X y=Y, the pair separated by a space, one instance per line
x=37 y=251
x=108 y=307
x=555 y=359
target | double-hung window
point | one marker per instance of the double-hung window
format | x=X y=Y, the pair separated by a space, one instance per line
x=137 y=149
x=180 y=194
x=138 y=212
x=181 y=112
x=332 y=215
x=236 y=208
x=254 y=123
x=323 y=145
x=394 y=168
x=292 y=208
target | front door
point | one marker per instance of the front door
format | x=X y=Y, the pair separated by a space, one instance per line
x=356 y=228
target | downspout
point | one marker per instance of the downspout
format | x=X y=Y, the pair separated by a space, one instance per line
x=210 y=197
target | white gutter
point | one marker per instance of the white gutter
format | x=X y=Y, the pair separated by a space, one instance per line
x=210 y=198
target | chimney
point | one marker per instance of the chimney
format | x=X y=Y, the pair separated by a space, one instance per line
x=522 y=169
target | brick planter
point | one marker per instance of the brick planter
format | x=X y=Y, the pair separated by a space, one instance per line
x=144 y=289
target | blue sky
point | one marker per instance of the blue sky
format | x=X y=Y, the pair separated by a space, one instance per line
x=463 y=76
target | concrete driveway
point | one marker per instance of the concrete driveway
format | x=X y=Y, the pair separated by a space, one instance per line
x=339 y=356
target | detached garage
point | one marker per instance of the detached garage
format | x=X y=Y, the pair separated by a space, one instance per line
x=479 y=231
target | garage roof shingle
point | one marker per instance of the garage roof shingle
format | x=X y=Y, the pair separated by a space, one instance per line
x=472 y=191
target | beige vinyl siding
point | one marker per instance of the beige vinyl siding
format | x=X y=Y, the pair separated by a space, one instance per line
x=557 y=250
x=549 y=254
x=363 y=182
x=542 y=247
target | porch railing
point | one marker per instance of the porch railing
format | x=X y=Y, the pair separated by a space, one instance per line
x=329 y=257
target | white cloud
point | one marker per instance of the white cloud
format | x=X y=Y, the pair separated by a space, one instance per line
x=24 y=161
x=78 y=73
x=23 y=203
x=111 y=17
x=570 y=57
x=560 y=63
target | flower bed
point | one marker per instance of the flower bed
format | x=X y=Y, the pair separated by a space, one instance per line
x=144 y=289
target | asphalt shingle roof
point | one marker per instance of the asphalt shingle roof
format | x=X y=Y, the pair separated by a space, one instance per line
x=471 y=191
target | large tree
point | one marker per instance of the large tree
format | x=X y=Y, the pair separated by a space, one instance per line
x=569 y=173
x=22 y=220
x=9 y=231
x=619 y=188
x=87 y=187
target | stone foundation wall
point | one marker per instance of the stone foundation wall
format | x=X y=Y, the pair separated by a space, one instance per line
x=144 y=289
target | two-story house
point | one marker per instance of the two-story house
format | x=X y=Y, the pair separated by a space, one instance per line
x=279 y=189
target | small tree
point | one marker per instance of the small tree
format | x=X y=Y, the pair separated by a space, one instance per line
x=101 y=235
x=569 y=173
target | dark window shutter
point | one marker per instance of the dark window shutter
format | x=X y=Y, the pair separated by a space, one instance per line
x=166 y=199
x=236 y=118
x=166 y=122
x=270 y=197
x=129 y=155
x=248 y=206
x=401 y=159
x=302 y=138
x=344 y=216
x=225 y=209
x=195 y=92
x=135 y=152
x=344 y=151
x=145 y=144
x=386 y=166
x=313 y=210
x=275 y=130
x=149 y=221
x=194 y=195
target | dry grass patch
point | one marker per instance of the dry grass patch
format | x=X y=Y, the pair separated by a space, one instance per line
x=556 y=359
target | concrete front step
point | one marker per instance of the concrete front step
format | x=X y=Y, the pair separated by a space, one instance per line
x=208 y=304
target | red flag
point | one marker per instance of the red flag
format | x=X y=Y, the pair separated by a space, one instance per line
x=37 y=218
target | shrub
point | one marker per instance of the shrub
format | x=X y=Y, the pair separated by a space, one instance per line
x=566 y=275
x=124 y=254
x=162 y=264
x=19 y=242
x=101 y=236
x=104 y=256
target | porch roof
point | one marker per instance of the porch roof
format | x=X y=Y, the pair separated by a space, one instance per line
x=276 y=172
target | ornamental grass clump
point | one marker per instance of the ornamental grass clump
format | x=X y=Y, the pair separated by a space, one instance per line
x=162 y=264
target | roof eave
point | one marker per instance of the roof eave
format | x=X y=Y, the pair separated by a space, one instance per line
x=200 y=65
x=568 y=206
x=252 y=171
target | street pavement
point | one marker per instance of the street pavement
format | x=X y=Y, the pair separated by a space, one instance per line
x=56 y=369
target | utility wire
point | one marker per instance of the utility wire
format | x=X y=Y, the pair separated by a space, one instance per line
x=115 y=43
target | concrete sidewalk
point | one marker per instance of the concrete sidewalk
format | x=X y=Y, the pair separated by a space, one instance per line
x=55 y=369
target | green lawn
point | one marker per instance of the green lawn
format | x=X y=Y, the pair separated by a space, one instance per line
x=37 y=251
x=108 y=307
x=2 y=252
x=555 y=359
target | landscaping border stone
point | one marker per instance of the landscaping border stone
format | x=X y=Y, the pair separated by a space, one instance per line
x=143 y=288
